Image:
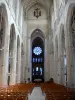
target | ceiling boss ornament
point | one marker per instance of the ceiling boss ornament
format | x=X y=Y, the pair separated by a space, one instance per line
x=37 y=12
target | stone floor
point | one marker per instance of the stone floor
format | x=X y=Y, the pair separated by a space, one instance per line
x=36 y=94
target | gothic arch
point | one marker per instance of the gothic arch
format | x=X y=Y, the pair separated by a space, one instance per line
x=3 y=24
x=36 y=3
x=3 y=39
x=69 y=14
x=37 y=33
x=4 y=14
x=70 y=30
x=37 y=40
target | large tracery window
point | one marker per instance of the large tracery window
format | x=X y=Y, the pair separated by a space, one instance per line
x=37 y=59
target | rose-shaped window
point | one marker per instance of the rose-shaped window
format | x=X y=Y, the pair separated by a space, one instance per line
x=37 y=50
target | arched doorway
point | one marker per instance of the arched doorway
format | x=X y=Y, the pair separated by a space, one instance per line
x=37 y=57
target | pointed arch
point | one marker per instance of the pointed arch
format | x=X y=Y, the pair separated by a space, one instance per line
x=31 y=4
x=3 y=41
x=37 y=33
x=37 y=41
x=70 y=33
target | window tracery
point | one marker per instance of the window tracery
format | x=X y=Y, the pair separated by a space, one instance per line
x=37 y=50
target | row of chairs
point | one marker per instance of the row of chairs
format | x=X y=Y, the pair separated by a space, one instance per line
x=53 y=91
x=57 y=92
x=16 y=92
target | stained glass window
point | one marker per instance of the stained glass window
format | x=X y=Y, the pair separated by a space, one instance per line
x=37 y=69
x=37 y=50
x=41 y=60
x=37 y=59
x=65 y=60
x=33 y=59
x=40 y=71
x=33 y=71
x=37 y=73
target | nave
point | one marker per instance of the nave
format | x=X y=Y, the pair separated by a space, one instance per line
x=37 y=42
x=52 y=90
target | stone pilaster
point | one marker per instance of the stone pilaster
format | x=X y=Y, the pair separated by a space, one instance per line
x=19 y=64
x=69 y=63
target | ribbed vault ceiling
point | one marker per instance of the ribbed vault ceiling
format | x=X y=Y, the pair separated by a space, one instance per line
x=29 y=3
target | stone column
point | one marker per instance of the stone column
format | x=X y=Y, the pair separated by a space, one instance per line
x=55 y=63
x=25 y=57
x=59 y=60
x=55 y=9
x=5 y=58
x=68 y=55
x=51 y=64
x=61 y=57
x=22 y=63
x=19 y=64
x=46 y=61
x=29 y=59
x=13 y=76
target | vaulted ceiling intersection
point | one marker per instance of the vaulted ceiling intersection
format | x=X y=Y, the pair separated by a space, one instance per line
x=29 y=3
